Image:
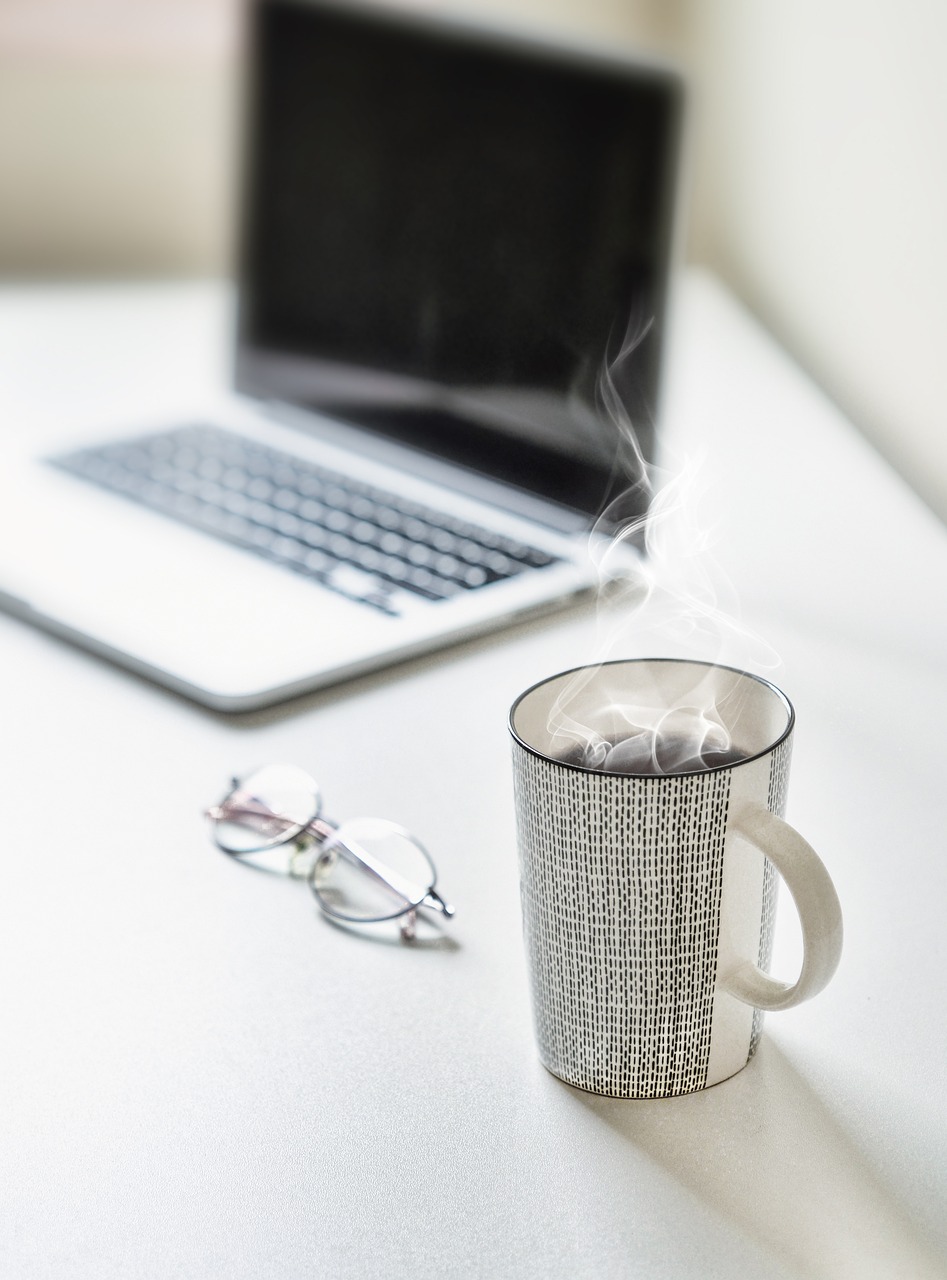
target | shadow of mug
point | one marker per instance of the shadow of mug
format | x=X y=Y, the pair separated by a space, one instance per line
x=767 y=1154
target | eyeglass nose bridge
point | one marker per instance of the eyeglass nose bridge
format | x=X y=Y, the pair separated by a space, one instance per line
x=307 y=845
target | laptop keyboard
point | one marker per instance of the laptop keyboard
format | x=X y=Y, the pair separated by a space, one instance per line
x=360 y=541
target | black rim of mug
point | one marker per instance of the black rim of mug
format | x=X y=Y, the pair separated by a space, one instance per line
x=647 y=777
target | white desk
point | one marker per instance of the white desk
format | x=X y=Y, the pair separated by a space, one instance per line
x=202 y=1078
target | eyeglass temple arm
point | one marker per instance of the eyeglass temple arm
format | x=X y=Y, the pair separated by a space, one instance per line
x=241 y=804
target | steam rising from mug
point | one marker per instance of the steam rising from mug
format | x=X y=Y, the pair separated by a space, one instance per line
x=661 y=592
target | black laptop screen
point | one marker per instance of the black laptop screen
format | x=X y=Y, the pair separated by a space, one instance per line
x=445 y=236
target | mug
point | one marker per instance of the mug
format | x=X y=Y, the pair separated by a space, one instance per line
x=649 y=897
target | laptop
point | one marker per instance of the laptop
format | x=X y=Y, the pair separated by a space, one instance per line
x=445 y=232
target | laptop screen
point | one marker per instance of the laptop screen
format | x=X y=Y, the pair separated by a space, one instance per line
x=446 y=235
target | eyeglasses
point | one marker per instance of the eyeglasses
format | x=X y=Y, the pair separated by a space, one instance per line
x=363 y=871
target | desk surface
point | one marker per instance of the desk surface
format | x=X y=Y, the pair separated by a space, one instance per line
x=202 y=1077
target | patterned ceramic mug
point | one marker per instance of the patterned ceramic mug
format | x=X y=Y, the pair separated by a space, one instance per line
x=648 y=895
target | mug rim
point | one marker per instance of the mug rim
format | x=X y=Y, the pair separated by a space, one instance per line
x=652 y=777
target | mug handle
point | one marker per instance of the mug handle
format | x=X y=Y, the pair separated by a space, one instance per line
x=820 y=913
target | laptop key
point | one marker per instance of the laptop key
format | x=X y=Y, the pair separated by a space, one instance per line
x=366 y=543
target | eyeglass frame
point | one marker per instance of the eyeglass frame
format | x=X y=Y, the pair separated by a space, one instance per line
x=315 y=835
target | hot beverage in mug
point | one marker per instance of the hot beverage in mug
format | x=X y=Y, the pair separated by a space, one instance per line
x=683 y=749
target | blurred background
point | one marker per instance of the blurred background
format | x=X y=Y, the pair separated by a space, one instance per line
x=819 y=189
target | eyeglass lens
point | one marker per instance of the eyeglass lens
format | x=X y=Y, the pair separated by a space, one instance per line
x=265 y=809
x=371 y=869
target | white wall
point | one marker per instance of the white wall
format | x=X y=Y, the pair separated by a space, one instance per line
x=822 y=196
x=115 y=169
x=115 y=136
